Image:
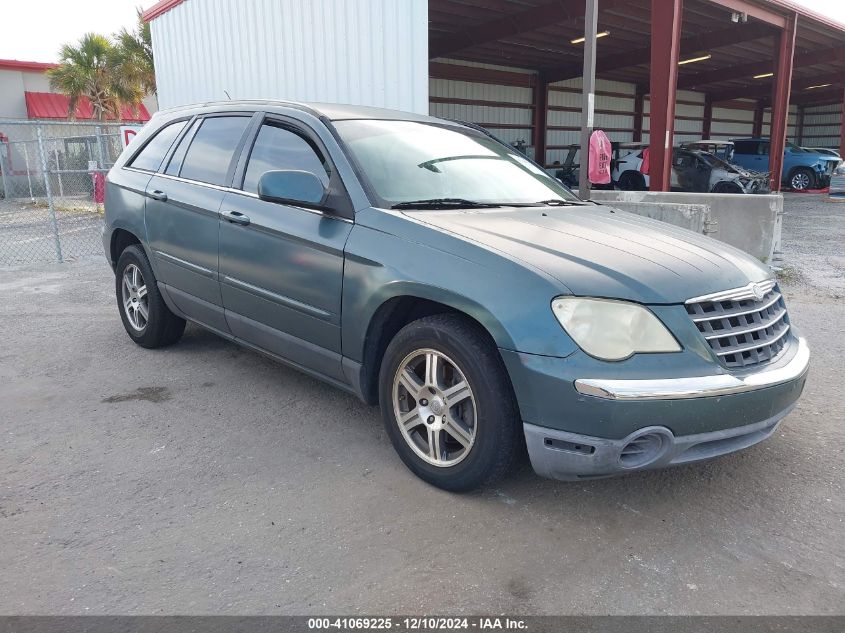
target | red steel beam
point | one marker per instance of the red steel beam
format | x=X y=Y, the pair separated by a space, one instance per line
x=747 y=71
x=766 y=89
x=780 y=100
x=775 y=18
x=510 y=25
x=540 y=119
x=666 y=16
x=439 y=70
x=691 y=44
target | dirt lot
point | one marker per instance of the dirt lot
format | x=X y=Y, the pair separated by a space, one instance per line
x=205 y=479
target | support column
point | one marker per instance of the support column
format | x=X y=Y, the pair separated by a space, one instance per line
x=639 y=110
x=759 y=114
x=842 y=129
x=588 y=95
x=780 y=100
x=707 y=124
x=540 y=118
x=666 y=16
x=799 y=127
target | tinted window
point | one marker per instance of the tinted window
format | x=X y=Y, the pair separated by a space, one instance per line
x=279 y=148
x=745 y=147
x=178 y=156
x=210 y=153
x=154 y=151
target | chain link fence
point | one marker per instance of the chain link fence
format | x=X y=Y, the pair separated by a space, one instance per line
x=52 y=181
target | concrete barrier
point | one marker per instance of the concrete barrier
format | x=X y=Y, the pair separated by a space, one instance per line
x=750 y=222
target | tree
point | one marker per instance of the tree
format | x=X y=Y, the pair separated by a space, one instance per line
x=92 y=69
x=135 y=51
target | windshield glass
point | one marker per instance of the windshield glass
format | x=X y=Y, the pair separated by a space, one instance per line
x=715 y=161
x=407 y=161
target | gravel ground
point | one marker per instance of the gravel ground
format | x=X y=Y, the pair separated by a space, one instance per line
x=814 y=241
x=205 y=479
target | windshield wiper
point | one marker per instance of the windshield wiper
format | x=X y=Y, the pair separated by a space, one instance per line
x=446 y=203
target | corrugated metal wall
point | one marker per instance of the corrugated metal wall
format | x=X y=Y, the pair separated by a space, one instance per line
x=822 y=126
x=507 y=110
x=366 y=52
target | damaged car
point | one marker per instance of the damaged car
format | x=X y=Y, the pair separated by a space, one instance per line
x=692 y=170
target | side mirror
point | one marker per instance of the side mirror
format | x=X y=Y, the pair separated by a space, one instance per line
x=290 y=186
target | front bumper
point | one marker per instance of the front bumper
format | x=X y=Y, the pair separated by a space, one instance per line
x=654 y=423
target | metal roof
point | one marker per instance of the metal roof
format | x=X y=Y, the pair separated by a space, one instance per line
x=50 y=105
x=537 y=35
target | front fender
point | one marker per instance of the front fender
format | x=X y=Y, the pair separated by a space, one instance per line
x=511 y=302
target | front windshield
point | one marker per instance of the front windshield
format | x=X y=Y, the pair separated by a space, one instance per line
x=408 y=161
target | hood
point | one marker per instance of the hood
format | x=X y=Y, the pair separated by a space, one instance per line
x=603 y=252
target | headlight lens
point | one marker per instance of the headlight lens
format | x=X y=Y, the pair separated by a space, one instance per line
x=612 y=330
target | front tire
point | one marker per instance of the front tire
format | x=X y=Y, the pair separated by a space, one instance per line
x=801 y=179
x=448 y=405
x=147 y=319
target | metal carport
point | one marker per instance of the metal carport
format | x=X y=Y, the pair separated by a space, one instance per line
x=766 y=64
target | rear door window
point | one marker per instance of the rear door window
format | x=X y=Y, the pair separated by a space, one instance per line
x=149 y=158
x=210 y=154
x=277 y=147
x=745 y=147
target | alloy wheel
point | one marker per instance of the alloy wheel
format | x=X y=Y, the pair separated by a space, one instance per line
x=800 y=181
x=134 y=296
x=434 y=407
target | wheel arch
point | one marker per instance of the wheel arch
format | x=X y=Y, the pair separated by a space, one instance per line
x=404 y=307
x=120 y=240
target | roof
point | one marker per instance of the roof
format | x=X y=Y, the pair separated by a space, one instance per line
x=17 y=64
x=51 y=105
x=331 y=111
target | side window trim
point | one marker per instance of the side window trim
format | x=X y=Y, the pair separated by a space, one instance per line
x=128 y=164
x=186 y=137
x=338 y=196
x=232 y=161
x=293 y=126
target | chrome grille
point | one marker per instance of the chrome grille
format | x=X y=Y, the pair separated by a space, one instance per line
x=740 y=328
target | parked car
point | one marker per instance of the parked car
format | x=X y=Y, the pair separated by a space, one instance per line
x=802 y=169
x=692 y=170
x=424 y=266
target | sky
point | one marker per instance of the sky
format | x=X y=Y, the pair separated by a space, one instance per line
x=35 y=29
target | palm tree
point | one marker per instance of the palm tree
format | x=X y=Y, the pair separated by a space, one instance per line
x=91 y=69
x=135 y=50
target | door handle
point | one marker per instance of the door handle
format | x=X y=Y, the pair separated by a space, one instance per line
x=236 y=217
x=158 y=195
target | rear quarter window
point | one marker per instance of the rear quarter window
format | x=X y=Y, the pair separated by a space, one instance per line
x=150 y=157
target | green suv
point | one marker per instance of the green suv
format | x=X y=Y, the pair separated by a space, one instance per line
x=430 y=269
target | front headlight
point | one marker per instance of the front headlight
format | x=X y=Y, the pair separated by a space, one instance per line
x=612 y=330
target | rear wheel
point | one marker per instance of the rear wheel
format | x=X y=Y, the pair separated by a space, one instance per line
x=447 y=403
x=801 y=179
x=727 y=187
x=146 y=318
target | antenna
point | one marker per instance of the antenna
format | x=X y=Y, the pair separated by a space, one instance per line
x=226 y=92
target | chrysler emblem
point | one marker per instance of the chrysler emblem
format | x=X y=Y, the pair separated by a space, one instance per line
x=757 y=289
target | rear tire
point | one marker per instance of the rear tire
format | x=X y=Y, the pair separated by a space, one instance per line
x=457 y=427
x=631 y=181
x=147 y=319
x=801 y=179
